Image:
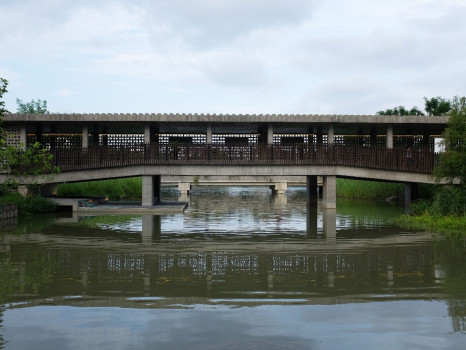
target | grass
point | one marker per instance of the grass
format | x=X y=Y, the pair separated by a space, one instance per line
x=362 y=189
x=450 y=225
x=127 y=188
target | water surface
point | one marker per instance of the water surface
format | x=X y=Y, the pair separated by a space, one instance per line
x=240 y=269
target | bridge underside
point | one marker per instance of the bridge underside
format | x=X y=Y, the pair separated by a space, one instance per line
x=231 y=170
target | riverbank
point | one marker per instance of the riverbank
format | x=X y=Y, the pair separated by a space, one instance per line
x=449 y=225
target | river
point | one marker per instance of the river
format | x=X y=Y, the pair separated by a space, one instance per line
x=240 y=269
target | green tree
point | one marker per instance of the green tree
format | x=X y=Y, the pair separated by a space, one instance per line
x=36 y=160
x=3 y=86
x=452 y=163
x=401 y=110
x=34 y=107
x=437 y=105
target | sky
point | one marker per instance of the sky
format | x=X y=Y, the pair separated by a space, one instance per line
x=232 y=56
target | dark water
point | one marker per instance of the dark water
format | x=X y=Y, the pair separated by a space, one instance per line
x=240 y=269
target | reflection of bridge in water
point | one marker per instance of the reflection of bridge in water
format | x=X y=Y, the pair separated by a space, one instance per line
x=101 y=269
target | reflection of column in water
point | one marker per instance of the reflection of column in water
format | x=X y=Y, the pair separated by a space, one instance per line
x=331 y=269
x=146 y=281
x=151 y=228
x=209 y=274
x=311 y=220
x=329 y=217
x=84 y=282
x=280 y=199
x=270 y=279
x=390 y=276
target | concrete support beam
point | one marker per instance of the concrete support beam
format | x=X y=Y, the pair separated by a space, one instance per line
x=23 y=138
x=85 y=137
x=311 y=190
x=329 y=197
x=209 y=134
x=270 y=134
x=330 y=135
x=184 y=188
x=151 y=190
x=389 y=138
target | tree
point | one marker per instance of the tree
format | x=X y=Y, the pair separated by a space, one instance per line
x=3 y=86
x=34 y=107
x=437 y=105
x=401 y=110
x=452 y=163
x=15 y=163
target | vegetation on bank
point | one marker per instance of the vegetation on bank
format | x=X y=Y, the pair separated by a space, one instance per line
x=116 y=189
x=445 y=212
x=29 y=205
x=362 y=189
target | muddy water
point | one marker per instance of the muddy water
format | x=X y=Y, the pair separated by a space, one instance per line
x=240 y=269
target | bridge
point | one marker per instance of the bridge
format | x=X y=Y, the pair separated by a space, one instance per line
x=101 y=146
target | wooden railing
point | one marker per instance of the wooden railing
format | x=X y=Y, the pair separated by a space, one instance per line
x=374 y=157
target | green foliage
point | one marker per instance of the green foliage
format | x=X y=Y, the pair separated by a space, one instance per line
x=368 y=189
x=401 y=110
x=437 y=106
x=29 y=205
x=3 y=86
x=34 y=107
x=36 y=160
x=128 y=188
x=452 y=162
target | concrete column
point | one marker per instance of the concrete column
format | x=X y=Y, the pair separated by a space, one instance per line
x=209 y=134
x=311 y=221
x=270 y=134
x=330 y=135
x=311 y=190
x=389 y=138
x=329 y=197
x=23 y=138
x=425 y=137
x=184 y=188
x=147 y=134
x=411 y=194
x=151 y=190
x=85 y=137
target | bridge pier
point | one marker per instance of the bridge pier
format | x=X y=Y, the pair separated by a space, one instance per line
x=329 y=197
x=311 y=190
x=184 y=188
x=411 y=194
x=151 y=190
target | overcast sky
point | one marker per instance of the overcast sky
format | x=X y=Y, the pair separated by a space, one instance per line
x=232 y=56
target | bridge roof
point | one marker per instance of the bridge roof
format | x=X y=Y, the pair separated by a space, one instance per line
x=240 y=123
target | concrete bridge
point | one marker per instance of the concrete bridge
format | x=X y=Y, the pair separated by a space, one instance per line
x=101 y=146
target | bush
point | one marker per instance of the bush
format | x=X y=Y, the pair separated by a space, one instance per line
x=29 y=205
